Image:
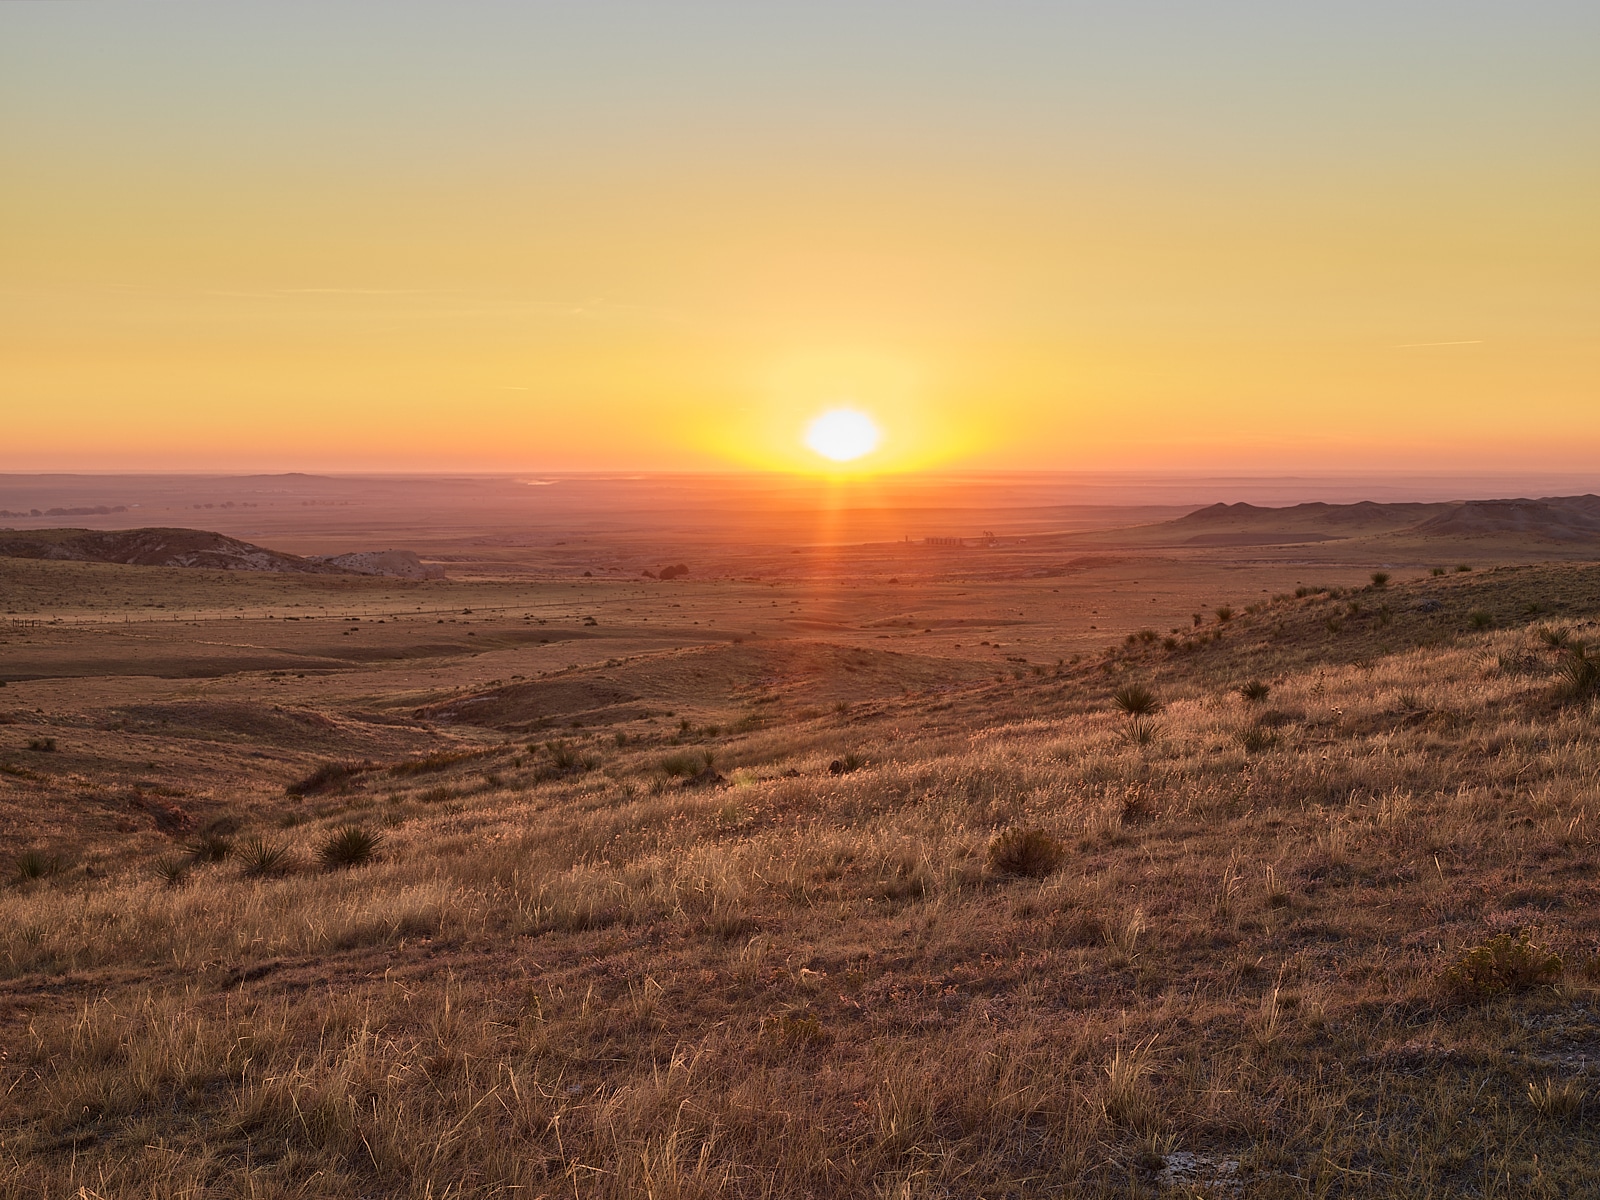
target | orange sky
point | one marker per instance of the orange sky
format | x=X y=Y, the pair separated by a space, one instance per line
x=602 y=236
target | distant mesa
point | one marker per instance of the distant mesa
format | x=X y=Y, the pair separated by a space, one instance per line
x=1553 y=518
x=1559 y=518
x=202 y=549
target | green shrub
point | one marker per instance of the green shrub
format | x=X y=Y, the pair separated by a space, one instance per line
x=1501 y=965
x=1031 y=853
x=348 y=846
x=1136 y=700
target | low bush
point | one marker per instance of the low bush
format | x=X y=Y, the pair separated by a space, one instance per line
x=1254 y=692
x=685 y=762
x=328 y=775
x=1501 y=965
x=1030 y=853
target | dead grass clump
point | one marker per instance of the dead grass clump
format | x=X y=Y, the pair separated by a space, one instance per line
x=328 y=775
x=1253 y=692
x=1502 y=965
x=1556 y=1102
x=1125 y=1095
x=1256 y=739
x=796 y=1031
x=1029 y=853
x=348 y=846
x=433 y=762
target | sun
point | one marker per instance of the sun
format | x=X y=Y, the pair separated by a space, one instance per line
x=843 y=434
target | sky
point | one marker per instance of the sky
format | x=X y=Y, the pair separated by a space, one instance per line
x=670 y=236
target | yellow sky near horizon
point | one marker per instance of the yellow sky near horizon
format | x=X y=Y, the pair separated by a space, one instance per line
x=389 y=237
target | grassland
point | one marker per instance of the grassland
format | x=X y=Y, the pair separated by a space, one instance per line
x=737 y=927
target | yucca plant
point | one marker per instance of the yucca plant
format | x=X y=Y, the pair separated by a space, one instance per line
x=1580 y=674
x=173 y=870
x=348 y=846
x=260 y=858
x=36 y=864
x=209 y=848
x=1136 y=700
x=1254 y=692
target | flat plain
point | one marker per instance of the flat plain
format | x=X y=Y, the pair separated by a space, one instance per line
x=1078 y=858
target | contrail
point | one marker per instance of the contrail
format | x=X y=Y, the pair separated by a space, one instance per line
x=1414 y=345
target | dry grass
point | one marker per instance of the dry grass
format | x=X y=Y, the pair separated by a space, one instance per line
x=605 y=983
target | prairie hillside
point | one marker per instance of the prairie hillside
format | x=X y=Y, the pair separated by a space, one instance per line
x=507 y=894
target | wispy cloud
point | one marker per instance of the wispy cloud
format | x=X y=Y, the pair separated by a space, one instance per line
x=1416 y=345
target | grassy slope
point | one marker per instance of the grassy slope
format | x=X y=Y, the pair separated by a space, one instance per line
x=602 y=983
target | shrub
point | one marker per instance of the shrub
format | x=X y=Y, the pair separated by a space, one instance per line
x=685 y=762
x=1437 y=571
x=433 y=762
x=562 y=756
x=1463 y=567
x=1224 y=613
x=260 y=858
x=1501 y=965
x=36 y=864
x=1255 y=739
x=45 y=745
x=1380 y=579
x=1136 y=700
x=1480 y=619
x=1031 y=853
x=326 y=776
x=1254 y=692
x=348 y=846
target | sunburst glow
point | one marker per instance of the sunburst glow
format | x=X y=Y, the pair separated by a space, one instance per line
x=843 y=434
